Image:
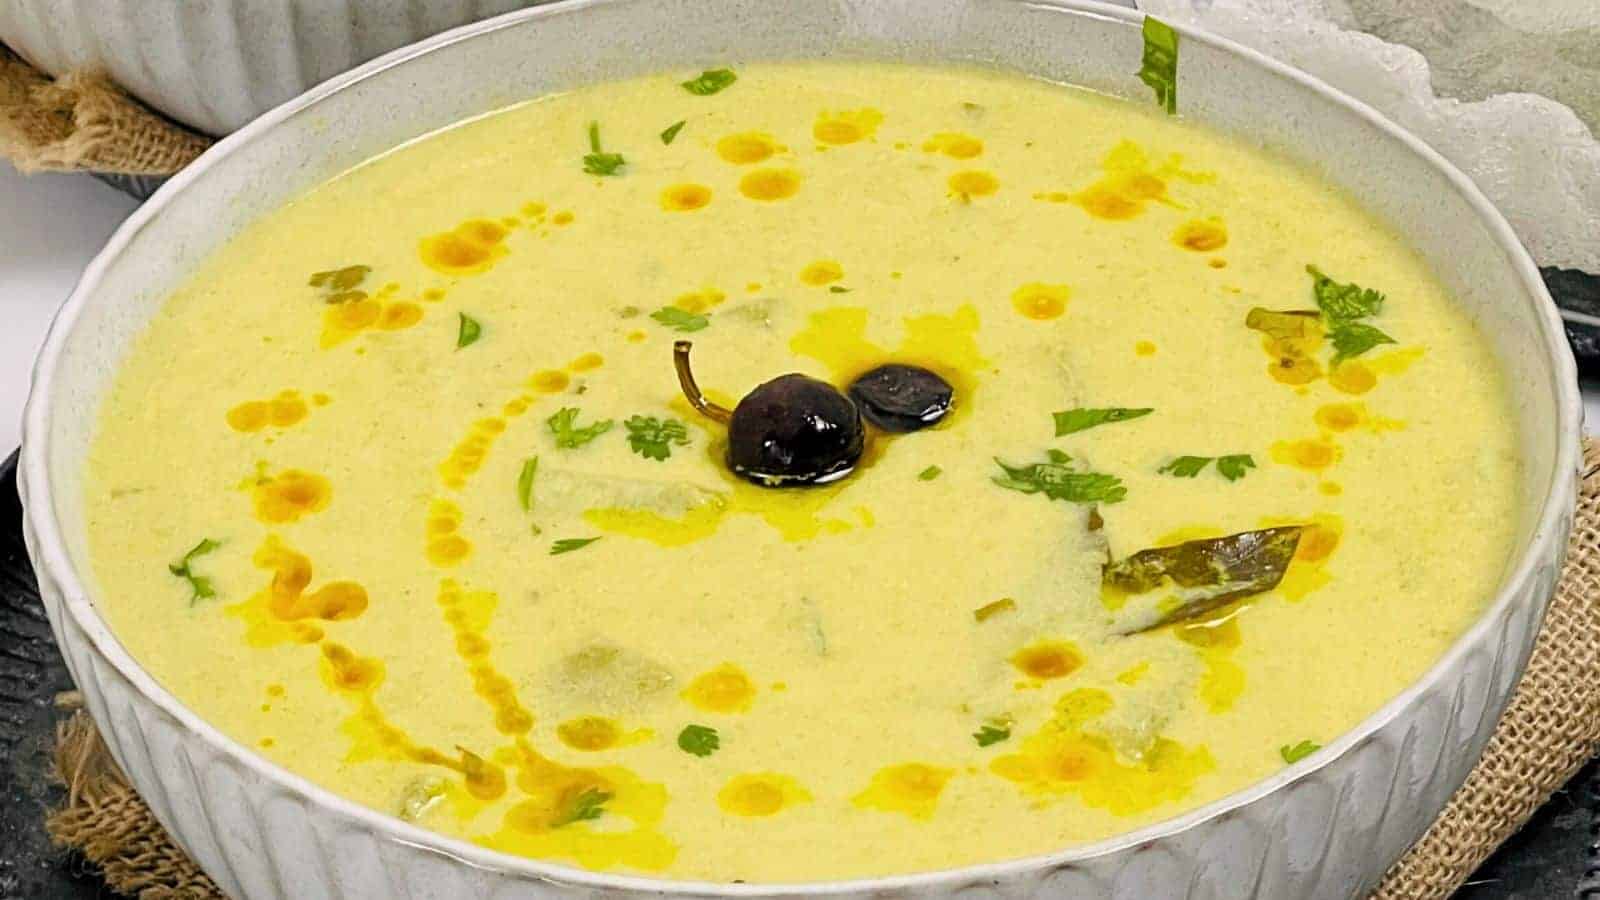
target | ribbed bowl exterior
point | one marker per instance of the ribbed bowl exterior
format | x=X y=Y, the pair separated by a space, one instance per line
x=1326 y=827
x=216 y=64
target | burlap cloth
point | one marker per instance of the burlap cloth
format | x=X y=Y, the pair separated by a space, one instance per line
x=84 y=123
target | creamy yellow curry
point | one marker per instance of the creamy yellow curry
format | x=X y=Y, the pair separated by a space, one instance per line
x=402 y=490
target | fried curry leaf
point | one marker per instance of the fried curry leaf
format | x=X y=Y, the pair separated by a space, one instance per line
x=1185 y=466
x=599 y=162
x=990 y=734
x=200 y=587
x=1159 y=67
x=469 y=331
x=652 y=438
x=699 y=740
x=1294 y=753
x=929 y=474
x=1343 y=301
x=1083 y=418
x=1233 y=466
x=530 y=468
x=1058 y=480
x=671 y=132
x=567 y=545
x=710 y=81
x=1284 y=325
x=680 y=320
x=1208 y=573
x=989 y=610
x=564 y=425
x=339 y=285
x=587 y=805
x=1351 y=339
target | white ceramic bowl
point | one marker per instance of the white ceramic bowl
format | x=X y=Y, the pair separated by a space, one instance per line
x=1325 y=827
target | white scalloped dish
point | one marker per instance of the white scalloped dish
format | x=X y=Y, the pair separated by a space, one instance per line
x=321 y=701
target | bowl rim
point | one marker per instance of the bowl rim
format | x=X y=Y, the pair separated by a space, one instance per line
x=49 y=548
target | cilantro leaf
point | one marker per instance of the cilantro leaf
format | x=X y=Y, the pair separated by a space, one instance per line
x=1233 y=466
x=709 y=82
x=680 y=320
x=599 y=162
x=1083 y=418
x=1186 y=466
x=699 y=740
x=671 y=132
x=653 y=438
x=990 y=734
x=567 y=545
x=1159 y=67
x=1058 y=480
x=564 y=425
x=530 y=468
x=1297 y=752
x=1351 y=339
x=588 y=805
x=469 y=332
x=1343 y=301
x=929 y=474
x=200 y=587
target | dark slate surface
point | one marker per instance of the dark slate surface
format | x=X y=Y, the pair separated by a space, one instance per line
x=1554 y=856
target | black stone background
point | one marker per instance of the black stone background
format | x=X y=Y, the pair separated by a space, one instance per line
x=1556 y=855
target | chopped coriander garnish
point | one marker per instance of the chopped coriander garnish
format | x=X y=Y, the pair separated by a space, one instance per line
x=989 y=610
x=838 y=289
x=1159 y=67
x=530 y=468
x=652 y=438
x=1355 y=338
x=929 y=474
x=564 y=425
x=1083 y=418
x=1297 y=752
x=1343 y=301
x=698 y=740
x=671 y=133
x=1058 y=480
x=567 y=545
x=1233 y=466
x=598 y=162
x=200 y=587
x=680 y=320
x=469 y=332
x=710 y=82
x=588 y=805
x=990 y=734
x=1186 y=466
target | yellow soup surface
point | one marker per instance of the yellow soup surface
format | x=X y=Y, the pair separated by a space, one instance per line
x=400 y=490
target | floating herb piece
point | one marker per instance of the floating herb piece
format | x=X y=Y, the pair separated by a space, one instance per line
x=929 y=474
x=420 y=795
x=1284 y=325
x=599 y=162
x=1233 y=466
x=339 y=285
x=567 y=545
x=1352 y=339
x=1058 y=480
x=698 y=740
x=1159 y=68
x=989 y=610
x=1297 y=752
x=1185 y=466
x=1206 y=573
x=990 y=734
x=1083 y=418
x=653 y=438
x=680 y=320
x=564 y=425
x=530 y=468
x=587 y=805
x=469 y=332
x=671 y=133
x=710 y=81
x=838 y=289
x=200 y=586
x=1343 y=301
